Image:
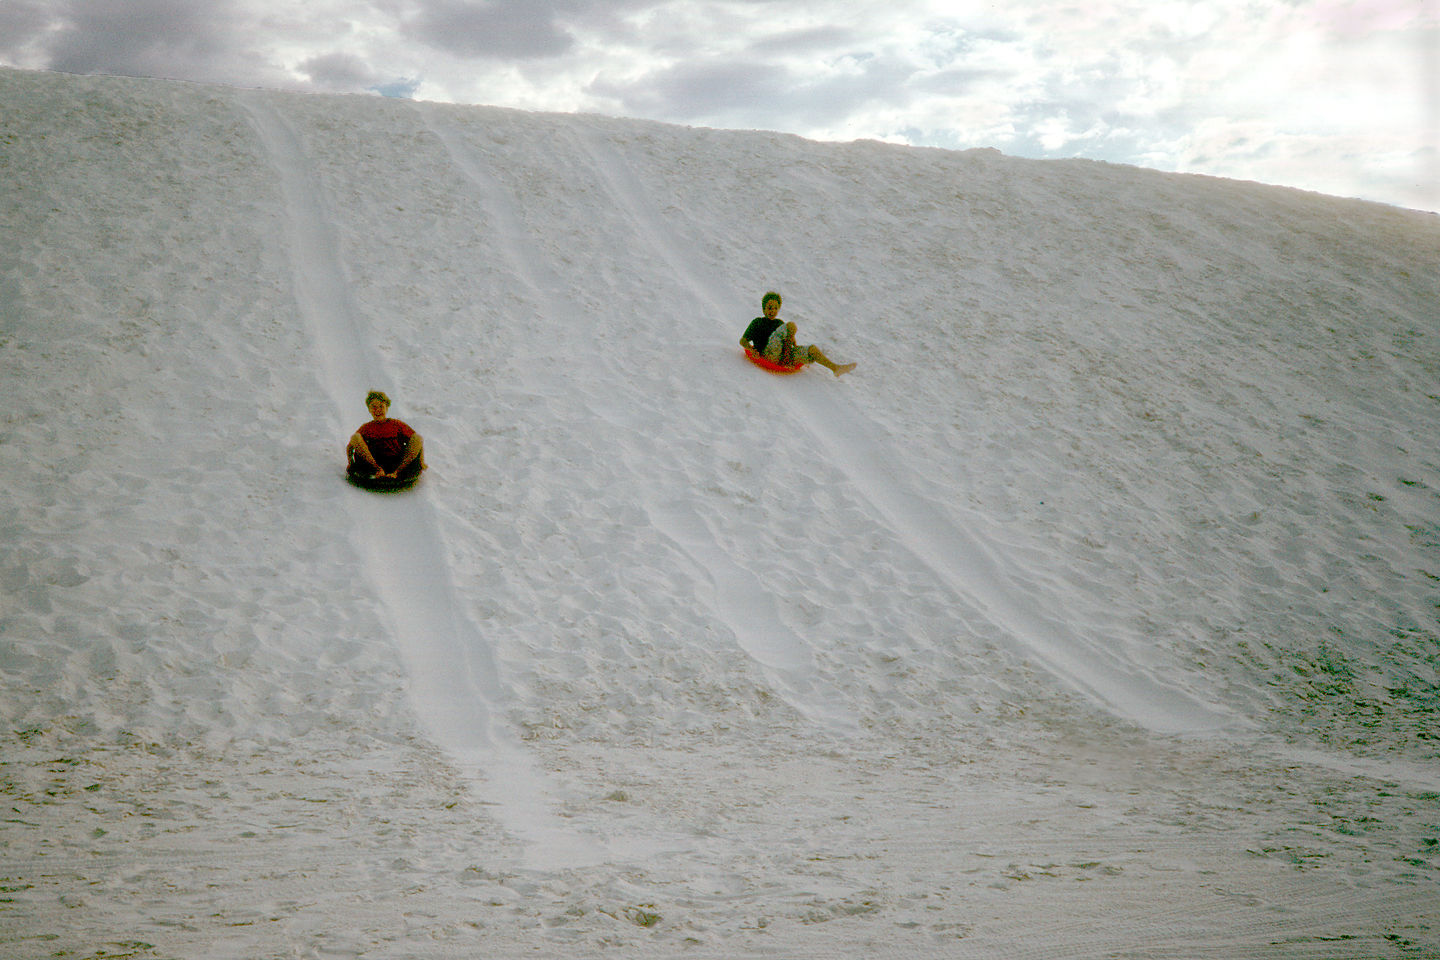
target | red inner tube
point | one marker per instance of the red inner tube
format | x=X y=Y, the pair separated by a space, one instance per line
x=770 y=365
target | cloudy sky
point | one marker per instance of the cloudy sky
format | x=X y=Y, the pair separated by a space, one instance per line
x=1339 y=96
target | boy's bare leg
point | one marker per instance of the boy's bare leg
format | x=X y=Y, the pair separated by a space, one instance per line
x=360 y=453
x=818 y=356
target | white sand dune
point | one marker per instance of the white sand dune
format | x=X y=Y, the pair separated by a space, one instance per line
x=1096 y=614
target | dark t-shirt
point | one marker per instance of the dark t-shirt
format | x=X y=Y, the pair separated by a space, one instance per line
x=758 y=333
x=387 y=440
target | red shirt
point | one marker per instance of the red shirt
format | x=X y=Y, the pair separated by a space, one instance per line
x=387 y=440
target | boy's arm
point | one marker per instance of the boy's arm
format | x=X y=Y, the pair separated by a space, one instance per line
x=413 y=449
x=357 y=443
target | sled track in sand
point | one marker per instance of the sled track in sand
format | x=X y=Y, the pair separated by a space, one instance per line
x=957 y=555
x=786 y=659
x=759 y=633
x=972 y=568
x=454 y=683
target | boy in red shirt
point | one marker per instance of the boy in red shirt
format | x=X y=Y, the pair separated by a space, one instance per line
x=384 y=449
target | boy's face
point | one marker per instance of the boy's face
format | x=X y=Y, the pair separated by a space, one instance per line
x=772 y=309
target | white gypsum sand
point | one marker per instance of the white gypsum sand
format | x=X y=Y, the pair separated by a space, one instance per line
x=1093 y=615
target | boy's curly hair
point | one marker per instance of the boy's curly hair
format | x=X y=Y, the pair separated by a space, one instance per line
x=770 y=295
x=377 y=395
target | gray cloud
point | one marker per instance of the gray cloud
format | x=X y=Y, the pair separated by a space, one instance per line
x=338 y=72
x=697 y=90
x=146 y=38
x=345 y=73
x=524 y=29
x=23 y=23
x=955 y=81
x=805 y=41
x=753 y=89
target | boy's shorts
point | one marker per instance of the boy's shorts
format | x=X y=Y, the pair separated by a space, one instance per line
x=775 y=349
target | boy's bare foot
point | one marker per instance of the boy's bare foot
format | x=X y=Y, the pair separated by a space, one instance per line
x=844 y=368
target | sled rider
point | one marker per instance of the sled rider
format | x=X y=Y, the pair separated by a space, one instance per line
x=774 y=339
x=384 y=449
